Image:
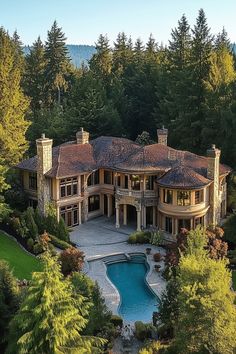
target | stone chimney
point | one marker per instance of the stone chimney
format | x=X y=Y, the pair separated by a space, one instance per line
x=82 y=137
x=213 y=173
x=44 y=164
x=162 y=135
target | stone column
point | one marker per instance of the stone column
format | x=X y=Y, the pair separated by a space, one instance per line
x=79 y=185
x=129 y=183
x=176 y=226
x=138 y=220
x=117 y=216
x=80 y=212
x=125 y=214
x=144 y=222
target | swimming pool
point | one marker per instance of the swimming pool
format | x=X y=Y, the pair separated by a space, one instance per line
x=137 y=300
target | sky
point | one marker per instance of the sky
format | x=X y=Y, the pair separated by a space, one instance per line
x=83 y=20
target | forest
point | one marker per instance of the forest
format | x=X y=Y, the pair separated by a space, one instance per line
x=189 y=86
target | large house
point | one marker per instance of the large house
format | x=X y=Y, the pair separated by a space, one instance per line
x=150 y=185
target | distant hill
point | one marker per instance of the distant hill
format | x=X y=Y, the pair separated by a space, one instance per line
x=79 y=53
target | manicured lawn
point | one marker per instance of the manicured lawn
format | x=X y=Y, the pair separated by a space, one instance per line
x=22 y=263
x=234 y=279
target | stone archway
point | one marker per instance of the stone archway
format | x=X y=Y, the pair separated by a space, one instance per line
x=124 y=202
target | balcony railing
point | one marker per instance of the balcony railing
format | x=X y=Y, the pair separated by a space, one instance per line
x=136 y=193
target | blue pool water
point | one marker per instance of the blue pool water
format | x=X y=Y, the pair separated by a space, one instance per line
x=137 y=300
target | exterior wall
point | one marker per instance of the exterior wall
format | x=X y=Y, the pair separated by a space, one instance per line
x=147 y=202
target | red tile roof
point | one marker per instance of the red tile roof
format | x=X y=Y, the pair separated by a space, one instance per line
x=124 y=155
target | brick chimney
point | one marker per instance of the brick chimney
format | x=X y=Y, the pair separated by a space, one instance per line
x=44 y=164
x=162 y=135
x=82 y=137
x=213 y=173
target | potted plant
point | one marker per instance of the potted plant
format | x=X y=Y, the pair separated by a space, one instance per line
x=157 y=267
x=148 y=250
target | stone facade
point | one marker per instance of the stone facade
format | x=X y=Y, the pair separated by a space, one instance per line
x=168 y=197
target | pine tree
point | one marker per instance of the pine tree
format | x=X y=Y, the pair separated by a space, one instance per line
x=57 y=64
x=9 y=300
x=49 y=319
x=62 y=231
x=101 y=62
x=151 y=47
x=34 y=80
x=122 y=54
x=13 y=103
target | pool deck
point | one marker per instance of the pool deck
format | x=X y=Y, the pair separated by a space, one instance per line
x=99 y=238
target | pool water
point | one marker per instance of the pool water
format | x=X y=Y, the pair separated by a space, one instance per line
x=137 y=300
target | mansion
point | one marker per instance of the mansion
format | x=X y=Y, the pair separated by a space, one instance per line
x=146 y=185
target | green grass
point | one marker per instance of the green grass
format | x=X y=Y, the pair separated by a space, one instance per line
x=22 y=263
x=234 y=279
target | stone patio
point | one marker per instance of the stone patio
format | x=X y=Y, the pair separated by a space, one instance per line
x=99 y=238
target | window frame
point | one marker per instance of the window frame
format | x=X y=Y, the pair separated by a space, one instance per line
x=181 y=201
x=168 y=196
x=68 y=187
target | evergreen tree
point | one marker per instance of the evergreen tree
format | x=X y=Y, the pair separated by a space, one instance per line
x=57 y=64
x=122 y=54
x=34 y=80
x=62 y=231
x=49 y=320
x=101 y=62
x=30 y=223
x=206 y=303
x=13 y=103
x=151 y=47
x=9 y=300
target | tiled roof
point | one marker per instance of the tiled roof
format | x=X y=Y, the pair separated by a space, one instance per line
x=121 y=154
x=183 y=177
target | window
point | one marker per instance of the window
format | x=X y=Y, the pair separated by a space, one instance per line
x=70 y=215
x=198 y=221
x=93 y=178
x=68 y=187
x=107 y=177
x=93 y=203
x=183 y=198
x=33 y=203
x=198 y=197
x=135 y=182
x=126 y=182
x=167 y=196
x=168 y=224
x=150 y=182
x=184 y=224
x=33 y=180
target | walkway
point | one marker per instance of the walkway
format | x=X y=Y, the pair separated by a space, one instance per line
x=99 y=238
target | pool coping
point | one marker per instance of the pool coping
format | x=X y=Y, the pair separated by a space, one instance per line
x=154 y=280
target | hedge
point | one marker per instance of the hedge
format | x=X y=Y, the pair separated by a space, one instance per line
x=59 y=243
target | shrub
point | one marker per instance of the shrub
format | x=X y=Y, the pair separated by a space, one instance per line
x=156 y=238
x=157 y=257
x=37 y=248
x=72 y=260
x=142 y=330
x=230 y=230
x=62 y=231
x=139 y=237
x=30 y=223
x=30 y=243
x=59 y=243
x=15 y=224
x=117 y=320
x=154 y=347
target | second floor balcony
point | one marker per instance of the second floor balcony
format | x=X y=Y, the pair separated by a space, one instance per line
x=136 y=193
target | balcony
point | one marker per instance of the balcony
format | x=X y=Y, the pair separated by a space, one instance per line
x=135 y=193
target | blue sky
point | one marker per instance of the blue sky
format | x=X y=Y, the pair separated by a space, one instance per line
x=83 y=20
